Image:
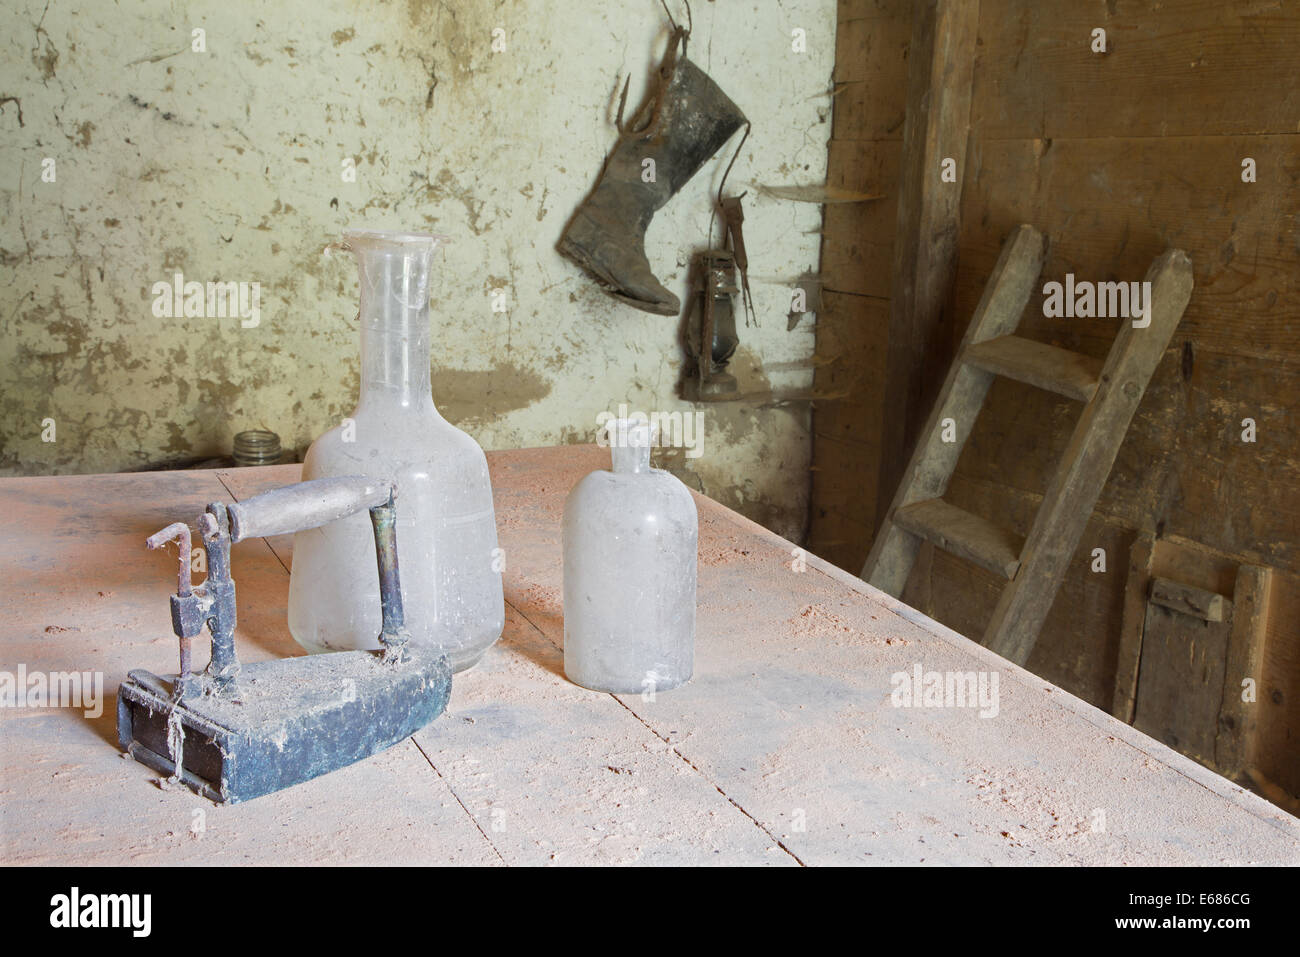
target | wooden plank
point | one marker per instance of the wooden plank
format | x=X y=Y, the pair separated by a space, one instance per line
x=850 y=331
x=1073 y=491
x=869 y=46
x=847 y=11
x=555 y=774
x=1188 y=599
x=858 y=238
x=857 y=253
x=1269 y=740
x=871 y=110
x=941 y=56
x=964 y=388
x=1183 y=670
x=918 y=594
x=1234 y=496
x=1277 y=749
x=871 y=76
x=963 y=534
x=1062 y=371
x=1199 y=66
x=1238 y=724
x=1129 y=657
x=1110 y=206
x=1263 y=784
x=1180 y=683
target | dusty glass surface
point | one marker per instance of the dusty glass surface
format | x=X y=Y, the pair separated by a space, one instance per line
x=630 y=537
x=446 y=527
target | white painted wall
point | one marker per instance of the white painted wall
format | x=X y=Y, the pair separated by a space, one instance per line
x=226 y=165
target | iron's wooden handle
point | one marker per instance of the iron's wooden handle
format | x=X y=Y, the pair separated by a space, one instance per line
x=296 y=508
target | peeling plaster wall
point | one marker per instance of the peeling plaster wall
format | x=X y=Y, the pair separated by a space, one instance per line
x=227 y=165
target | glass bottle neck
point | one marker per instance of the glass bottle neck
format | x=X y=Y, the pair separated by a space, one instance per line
x=629 y=444
x=394 y=323
x=630 y=459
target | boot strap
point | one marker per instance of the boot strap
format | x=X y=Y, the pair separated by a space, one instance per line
x=663 y=78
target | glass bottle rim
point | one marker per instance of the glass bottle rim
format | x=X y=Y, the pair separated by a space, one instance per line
x=355 y=237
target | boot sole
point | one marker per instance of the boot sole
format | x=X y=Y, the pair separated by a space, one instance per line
x=578 y=253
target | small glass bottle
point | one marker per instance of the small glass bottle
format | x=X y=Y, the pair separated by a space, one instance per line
x=257 y=447
x=446 y=526
x=630 y=538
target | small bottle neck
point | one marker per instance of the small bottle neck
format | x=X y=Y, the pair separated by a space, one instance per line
x=630 y=459
x=394 y=323
x=630 y=442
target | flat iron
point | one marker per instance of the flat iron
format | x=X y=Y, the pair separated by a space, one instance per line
x=232 y=733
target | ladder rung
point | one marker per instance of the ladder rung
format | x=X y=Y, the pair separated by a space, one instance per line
x=1066 y=373
x=965 y=535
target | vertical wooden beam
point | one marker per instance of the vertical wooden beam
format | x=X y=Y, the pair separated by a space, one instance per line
x=941 y=64
x=1238 y=722
x=1137 y=584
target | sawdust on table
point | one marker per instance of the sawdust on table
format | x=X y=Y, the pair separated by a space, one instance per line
x=543 y=598
x=1044 y=812
x=816 y=621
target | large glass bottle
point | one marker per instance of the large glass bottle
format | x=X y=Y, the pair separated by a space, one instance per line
x=447 y=535
x=629 y=572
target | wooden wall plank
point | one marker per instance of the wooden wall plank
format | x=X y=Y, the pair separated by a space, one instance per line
x=874 y=50
x=858 y=238
x=1277 y=743
x=1192 y=67
x=1180 y=682
x=850 y=10
x=1183 y=466
x=857 y=256
x=851 y=335
x=1111 y=206
x=941 y=58
x=1234 y=749
x=1129 y=654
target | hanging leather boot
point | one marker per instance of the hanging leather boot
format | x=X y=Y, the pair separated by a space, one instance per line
x=687 y=120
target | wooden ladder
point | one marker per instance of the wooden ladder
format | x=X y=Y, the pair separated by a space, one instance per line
x=1033 y=566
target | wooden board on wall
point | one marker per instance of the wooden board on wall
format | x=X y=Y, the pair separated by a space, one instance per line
x=858 y=238
x=1110 y=206
x=871 y=72
x=1277 y=749
x=1185 y=68
x=1181 y=680
x=850 y=336
x=857 y=252
x=941 y=57
x=1204 y=622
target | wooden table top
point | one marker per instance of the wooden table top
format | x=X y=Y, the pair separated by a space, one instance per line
x=788 y=747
